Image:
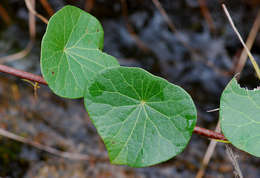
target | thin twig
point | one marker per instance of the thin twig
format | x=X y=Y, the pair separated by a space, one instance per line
x=249 y=44
x=256 y=67
x=165 y=15
x=36 y=78
x=205 y=12
x=31 y=9
x=47 y=7
x=73 y=156
x=32 y=22
x=5 y=15
x=193 y=51
x=130 y=29
x=172 y=26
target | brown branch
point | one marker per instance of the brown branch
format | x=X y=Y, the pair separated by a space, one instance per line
x=36 y=78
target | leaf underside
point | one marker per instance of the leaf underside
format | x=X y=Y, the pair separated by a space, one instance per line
x=240 y=117
x=142 y=119
x=71 y=52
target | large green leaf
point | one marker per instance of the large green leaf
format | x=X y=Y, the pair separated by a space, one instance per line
x=240 y=117
x=71 y=52
x=142 y=119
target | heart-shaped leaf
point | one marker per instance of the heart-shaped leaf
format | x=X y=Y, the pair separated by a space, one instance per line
x=71 y=52
x=240 y=117
x=143 y=119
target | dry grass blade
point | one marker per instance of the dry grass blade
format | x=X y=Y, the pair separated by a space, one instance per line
x=213 y=110
x=19 y=55
x=233 y=158
x=32 y=31
x=256 y=67
x=32 y=10
x=249 y=44
x=208 y=154
x=73 y=156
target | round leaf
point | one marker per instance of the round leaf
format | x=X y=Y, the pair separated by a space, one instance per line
x=142 y=119
x=71 y=55
x=240 y=117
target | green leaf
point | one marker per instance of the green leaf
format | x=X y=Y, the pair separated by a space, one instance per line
x=142 y=119
x=71 y=52
x=240 y=117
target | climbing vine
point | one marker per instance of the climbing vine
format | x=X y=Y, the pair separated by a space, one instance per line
x=143 y=119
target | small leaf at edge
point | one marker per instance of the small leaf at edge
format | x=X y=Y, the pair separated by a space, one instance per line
x=240 y=117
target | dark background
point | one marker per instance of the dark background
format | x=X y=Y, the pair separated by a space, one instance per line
x=64 y=124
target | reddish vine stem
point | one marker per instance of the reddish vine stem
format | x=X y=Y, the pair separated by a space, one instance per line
x=22 y=74
x=209 y=133
x=36 y=78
